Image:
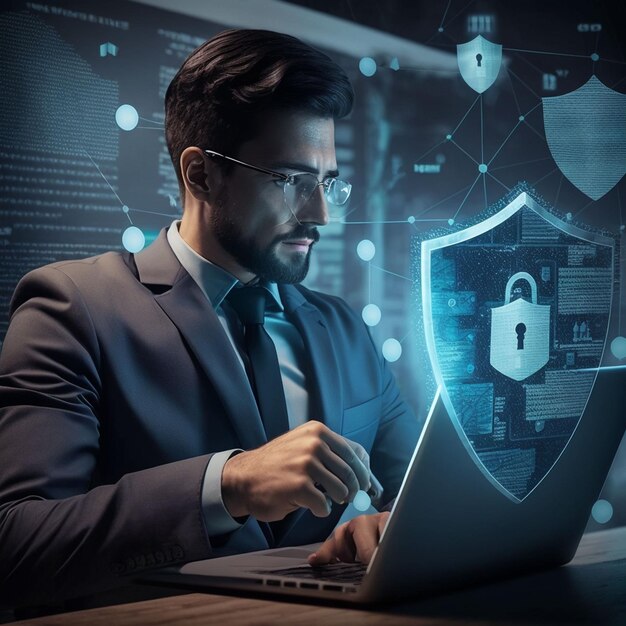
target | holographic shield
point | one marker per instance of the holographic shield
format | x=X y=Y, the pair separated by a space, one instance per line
x=586 y=132
x=516 y=315
x=479 y=62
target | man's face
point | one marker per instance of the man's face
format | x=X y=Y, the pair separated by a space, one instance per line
x=250 y=220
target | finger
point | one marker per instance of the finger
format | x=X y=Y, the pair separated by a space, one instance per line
x=360 y=451
x=339 y=546
x=343 y=450
x=309 y=497
x=337 y=466
x=329 y=483
x=365 y=537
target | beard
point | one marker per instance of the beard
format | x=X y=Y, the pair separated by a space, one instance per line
x=261 y=261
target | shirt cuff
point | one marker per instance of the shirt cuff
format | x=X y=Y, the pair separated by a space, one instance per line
x=217 y=519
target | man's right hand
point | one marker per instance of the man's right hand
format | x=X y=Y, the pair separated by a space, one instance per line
x=302 y=468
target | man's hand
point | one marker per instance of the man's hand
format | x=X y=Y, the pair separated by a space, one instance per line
x=302 y=468
x=355 y=540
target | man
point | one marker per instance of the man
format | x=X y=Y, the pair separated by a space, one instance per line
x=134 y=422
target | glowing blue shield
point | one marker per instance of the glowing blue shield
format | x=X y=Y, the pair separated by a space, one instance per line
x=516 y=310
x=586 y=132
x=479 y=62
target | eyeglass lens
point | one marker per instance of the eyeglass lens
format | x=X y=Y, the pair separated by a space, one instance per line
x=298 y=193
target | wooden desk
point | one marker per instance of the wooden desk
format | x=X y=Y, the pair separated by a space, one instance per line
x=590 y=590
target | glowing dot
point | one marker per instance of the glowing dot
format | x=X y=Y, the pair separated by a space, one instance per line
x=470 y=368
x=568 y=217
x=367 y=66
x=133 y=239
x=451 y=221
x=602 y=511
x=395 y=64
x=521 y=118
x=411 y=220
x=440 y=29
x=622 y=227
x=366 y=250
x=448 y=137
x=440 y=158
x=125 y=209
x=392 y=350
x=451 y=302
x=371 y=314
x=126 y=117
x=595 y=57
x=482 y=168
x=361 y=501
x=539 y=425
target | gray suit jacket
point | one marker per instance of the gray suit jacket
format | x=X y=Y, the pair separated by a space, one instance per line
x=117 y=383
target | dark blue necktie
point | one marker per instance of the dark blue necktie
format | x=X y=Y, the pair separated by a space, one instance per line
x=249 y=304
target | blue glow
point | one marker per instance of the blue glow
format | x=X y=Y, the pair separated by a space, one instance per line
x=602 y=511
x=395 y=64
x=482 y=168
x=125 y=209
x=521 y=118
x=449 y=137
x=440 y=158
x=392 y=350
x=618 y=347
x=371 y=314
x=366 y=250
x=133 y=239
x=361 y=501
x=451 y=221
x=595 y=57
x=367 y=66
x=411 y=219
x=126 y=117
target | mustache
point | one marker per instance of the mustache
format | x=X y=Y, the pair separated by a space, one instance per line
x=301 y=232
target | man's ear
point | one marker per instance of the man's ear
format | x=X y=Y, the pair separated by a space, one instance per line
x=200 y=175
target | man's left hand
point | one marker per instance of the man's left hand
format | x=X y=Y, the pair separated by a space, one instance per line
x=355 y=540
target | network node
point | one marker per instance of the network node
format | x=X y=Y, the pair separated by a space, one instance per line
x=482 y=168
x=394 y=64
x=451 y=221
x=622 y=228
x=392 y=350
x=361 y=501
x=371 y=314
x=411 y=220
x=595 y=57
x=367 y=66
x=448 y=137
x=618 y=347
x=125 y=209
x=568 y=217
x=126 y=117
x=521 y=118
x=366 y=250
x=470 y=368
x=440 y=29
x=133 y=239
x=602 y=511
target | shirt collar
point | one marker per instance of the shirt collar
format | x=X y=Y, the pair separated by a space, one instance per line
x=214 y=281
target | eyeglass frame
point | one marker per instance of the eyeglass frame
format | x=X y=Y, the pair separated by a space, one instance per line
x=279 y=175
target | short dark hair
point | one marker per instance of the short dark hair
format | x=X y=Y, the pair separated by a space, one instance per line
x=223 y=85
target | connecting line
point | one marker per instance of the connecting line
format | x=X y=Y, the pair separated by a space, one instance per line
x=499 y=181
x=392 y=273
x=497 y=152
x=485 y=190
x=156 y=213
x=523 y=83
x=145 y=119
x=519 y=110
x=482 y=130
x=430 y=150
x=466 y=196
x=430 y=208
x=443 y=19
x=558 y=54
x=558 y=191
x=545 y=176
x=151 y=127
x=505 y=167
x=530 y=127
x=378 y=222
x=466 y=114
x=581 y=210
x=464 y=151
x=107 y=182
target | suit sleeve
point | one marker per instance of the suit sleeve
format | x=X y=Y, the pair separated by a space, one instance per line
x=60 y=536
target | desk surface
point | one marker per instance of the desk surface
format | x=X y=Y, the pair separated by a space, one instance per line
x=589 y=590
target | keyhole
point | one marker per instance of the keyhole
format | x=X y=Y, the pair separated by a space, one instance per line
x=520 y=329
x=479 y=58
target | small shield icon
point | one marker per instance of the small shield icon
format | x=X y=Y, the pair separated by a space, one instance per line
x=520 y=333
x=479 y=62
x=586 y=132
x=516 y=310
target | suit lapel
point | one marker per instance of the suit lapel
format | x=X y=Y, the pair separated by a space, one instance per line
x=194 y=317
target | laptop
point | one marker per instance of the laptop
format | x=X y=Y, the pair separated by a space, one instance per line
x=449 y=527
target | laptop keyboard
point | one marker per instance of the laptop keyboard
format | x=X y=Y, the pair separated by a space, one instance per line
x=336 y=572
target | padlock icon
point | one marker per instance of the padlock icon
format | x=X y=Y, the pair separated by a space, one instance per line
x=520 y=333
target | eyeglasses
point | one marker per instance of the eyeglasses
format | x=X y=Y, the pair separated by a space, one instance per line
x=298 y=188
